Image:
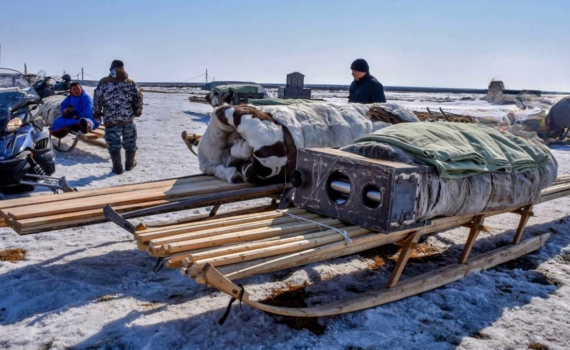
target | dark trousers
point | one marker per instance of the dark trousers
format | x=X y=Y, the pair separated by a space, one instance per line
x=123 y=136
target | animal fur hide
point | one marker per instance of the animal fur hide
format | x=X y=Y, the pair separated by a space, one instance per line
x=259 y=144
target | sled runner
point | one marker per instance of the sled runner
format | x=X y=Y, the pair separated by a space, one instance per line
x=69 y=142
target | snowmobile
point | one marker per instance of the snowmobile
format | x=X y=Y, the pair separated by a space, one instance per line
x=27 y=158
x=47 y=86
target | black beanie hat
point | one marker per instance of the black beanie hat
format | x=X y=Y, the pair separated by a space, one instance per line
x=117 y=64
x=360 y=65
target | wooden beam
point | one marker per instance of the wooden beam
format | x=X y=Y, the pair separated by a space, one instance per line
x=476 y=226
x=525 y=213
x=405 y=252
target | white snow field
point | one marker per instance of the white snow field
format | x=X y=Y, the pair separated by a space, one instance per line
x=90 y=288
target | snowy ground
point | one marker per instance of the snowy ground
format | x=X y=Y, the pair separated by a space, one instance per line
x=88 y=287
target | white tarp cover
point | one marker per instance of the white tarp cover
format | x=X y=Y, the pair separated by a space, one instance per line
x=49 y=110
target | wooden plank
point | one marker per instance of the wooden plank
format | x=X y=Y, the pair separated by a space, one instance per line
x=76 y=204
x=473 y=233
x=202 y=200
x=272 y=241
x=198 y=254
x=154 y=233
x=35 y=200
x=326 y=237
x=226 y=213
x=243 y=236
x=409 y=287
x=258 y=224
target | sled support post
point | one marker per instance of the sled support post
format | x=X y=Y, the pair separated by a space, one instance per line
x=214 y=210
x=525 y=214
x=475 y=226
x=405 y=252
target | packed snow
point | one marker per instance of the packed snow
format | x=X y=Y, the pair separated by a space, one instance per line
x=90 y=288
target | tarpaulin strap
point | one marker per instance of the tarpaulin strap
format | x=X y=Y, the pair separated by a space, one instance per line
x=159 y=265
x=229 y=308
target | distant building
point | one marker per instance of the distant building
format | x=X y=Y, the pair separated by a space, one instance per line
x=496 y=87
x=295 y=87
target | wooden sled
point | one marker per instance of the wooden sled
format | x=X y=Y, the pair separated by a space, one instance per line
x=191 y=141
x=393 y=291
x=218 y=251
x=68 y=143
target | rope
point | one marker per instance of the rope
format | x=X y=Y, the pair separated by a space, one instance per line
x=229 y=308
x=343 y=233
x=195 y=77
x=320 y=182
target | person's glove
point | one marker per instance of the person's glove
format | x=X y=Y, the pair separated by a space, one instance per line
x=68 y=111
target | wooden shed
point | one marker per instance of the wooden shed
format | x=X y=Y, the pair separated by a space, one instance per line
x=295 y=87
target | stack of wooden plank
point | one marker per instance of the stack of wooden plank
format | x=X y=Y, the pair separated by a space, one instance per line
x=244 y=245
x=243 y=238
x=49 y=212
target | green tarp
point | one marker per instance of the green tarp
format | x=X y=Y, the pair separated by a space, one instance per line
x=281 y=102
x=250 y=89
x=460 y=150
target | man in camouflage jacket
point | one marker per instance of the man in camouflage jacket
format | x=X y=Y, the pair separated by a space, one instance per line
x=119 y=101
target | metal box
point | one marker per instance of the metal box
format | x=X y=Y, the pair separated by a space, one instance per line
x=377 y=194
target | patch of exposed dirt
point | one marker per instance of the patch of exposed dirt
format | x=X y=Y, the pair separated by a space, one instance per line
x=294 y=296
x=13 y=255
x=537 y=346
x=423 y=252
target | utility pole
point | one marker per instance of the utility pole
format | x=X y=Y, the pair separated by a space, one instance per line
x=64 y=72
x=82 y=74
x=206 y=76
x=25 y=69
x=0 y=55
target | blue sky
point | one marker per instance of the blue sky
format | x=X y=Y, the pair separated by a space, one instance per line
x=407 y=43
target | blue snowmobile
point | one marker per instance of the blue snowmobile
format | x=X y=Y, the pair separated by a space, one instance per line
x=27 y=158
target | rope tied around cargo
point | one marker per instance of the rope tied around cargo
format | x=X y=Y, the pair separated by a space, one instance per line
x=320 y=182
x=229 y=308
x=320 y=225
x=159 y=265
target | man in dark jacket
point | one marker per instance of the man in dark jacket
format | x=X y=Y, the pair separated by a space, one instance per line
x=119 y=101
x=365 y=88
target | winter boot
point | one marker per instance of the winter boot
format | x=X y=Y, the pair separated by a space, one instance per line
x=85 y=126
x=117 y=162
x=130 y=161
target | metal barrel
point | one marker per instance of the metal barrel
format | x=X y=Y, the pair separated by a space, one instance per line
x=344 y=188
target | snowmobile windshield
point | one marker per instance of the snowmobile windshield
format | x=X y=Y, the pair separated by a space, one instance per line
x=15 y=92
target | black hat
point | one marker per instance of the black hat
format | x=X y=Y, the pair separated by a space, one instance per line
x=117 y=64
x=360 y=65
